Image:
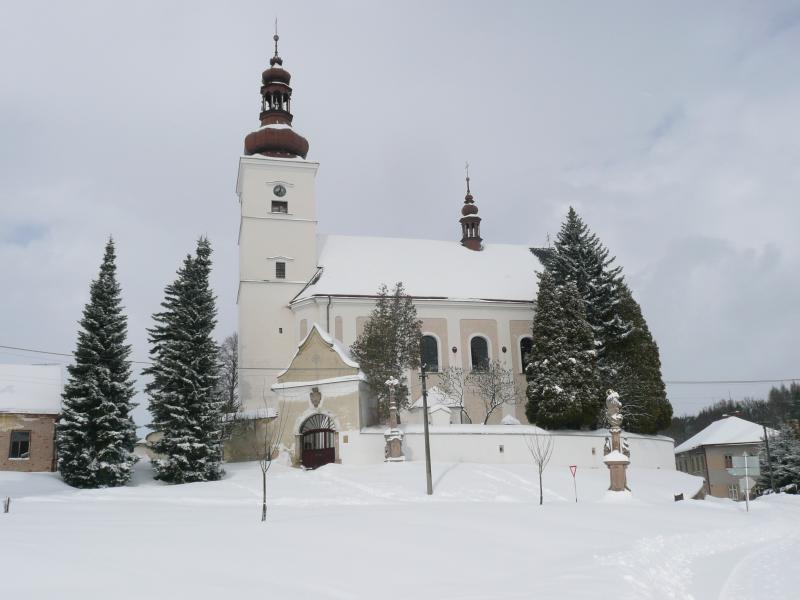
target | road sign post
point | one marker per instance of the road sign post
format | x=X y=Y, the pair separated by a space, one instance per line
x=749 y=467
x=574 y=469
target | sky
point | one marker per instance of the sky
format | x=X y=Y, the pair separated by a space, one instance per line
x=672 y=128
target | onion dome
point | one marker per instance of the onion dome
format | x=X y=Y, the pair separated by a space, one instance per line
x=470 y=222
x=276 y=137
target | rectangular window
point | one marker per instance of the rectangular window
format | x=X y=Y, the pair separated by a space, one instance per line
x=733 y=491
x=728 y=461
x=280 y=206
x=20 y=444
x=280 y=270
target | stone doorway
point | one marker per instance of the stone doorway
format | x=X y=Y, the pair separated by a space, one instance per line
x=319 y=441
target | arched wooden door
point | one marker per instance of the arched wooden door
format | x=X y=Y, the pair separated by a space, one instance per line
x=319 y=442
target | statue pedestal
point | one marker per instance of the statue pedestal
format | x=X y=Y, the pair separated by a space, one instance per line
x=617 y=464
x=394 y=446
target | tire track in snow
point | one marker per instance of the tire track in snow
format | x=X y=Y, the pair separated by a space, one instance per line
x=765 y=573
x=661 y=567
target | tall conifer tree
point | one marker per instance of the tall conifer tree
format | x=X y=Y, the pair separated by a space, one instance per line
x=637 y=373
x=95 y=434
x=627 y=356
x=183 y=401
x=389 y=345
x=581 y=258
x=562 y=375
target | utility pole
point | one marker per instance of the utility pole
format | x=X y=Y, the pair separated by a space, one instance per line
x=423 y=376
x=747 y=483
x=769 y=460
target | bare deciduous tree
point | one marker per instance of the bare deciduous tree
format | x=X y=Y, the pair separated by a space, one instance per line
x=228 y=382
x=453 y=384
x=267 y=435
x=540 y=446
x=494 y=384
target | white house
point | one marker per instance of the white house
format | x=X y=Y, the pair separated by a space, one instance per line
x=710 y=454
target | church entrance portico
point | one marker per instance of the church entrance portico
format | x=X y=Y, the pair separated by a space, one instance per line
x=318 y=441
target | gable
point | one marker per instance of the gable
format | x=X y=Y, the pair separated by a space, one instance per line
x=319 y=357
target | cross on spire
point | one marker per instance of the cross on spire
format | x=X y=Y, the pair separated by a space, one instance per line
x=466 y=168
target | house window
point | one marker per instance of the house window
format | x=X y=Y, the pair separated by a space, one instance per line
x=525 y=347
x=733 y=491
x=280 y=206
x=728 y=461
x=280 y=270
x=479 y=351
x=20 y=444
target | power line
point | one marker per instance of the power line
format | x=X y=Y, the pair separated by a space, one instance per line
x=137 y=362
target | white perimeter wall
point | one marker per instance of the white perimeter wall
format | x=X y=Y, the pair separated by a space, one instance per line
x=481 y=444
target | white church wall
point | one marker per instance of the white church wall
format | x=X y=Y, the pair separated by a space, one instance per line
x=452 y=322
x=482 y=444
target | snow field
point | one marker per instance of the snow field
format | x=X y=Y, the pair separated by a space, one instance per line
x=365 y=531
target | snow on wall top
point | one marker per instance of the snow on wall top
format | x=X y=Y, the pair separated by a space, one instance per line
x=357 y=266
x=729 y=430
x=30 y=389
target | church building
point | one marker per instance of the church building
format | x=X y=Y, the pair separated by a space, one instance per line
x=304 y=296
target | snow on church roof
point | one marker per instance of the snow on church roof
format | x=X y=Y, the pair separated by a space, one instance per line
x=30 y=389
x=729 y=430
x=357 y=266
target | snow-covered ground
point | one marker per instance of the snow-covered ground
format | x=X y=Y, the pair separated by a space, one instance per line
x=348 y=532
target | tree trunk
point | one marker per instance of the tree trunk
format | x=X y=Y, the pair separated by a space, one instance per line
x=263 y=495
x=541 y=497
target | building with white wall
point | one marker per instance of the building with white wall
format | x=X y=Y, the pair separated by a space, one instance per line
x=710 y=454
x=474 y=296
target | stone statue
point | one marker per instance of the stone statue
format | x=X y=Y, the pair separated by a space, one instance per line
x=393 y=451
x=613 y=409
x=616 y=453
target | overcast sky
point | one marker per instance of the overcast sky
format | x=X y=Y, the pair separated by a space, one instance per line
x=673 y=128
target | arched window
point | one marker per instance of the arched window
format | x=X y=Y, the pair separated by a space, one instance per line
x=479 y=352
x=430 y=353
x=525 y=347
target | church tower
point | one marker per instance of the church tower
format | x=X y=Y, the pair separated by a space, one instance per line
x=277 y=236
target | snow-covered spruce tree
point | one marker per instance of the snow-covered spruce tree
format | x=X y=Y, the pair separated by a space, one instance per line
x=637 y=372
x=562 y=376
x=785 y=451
x=389 y=345
x=626 y=351
x=95 y=434
x=579 y=256
x=184 y=402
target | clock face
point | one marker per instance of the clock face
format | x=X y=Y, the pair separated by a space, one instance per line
x=279 y=191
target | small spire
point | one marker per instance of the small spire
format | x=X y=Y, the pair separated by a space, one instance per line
x=470 y=221
x=276 y=59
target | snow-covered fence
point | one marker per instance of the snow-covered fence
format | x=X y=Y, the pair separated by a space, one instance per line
x=504 y=444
